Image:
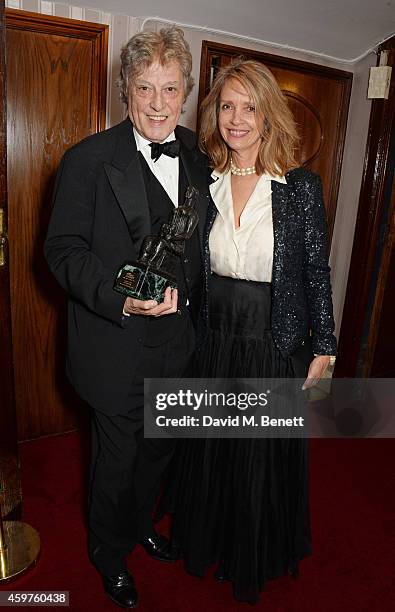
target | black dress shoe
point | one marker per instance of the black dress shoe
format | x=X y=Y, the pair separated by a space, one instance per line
x=121 y=589
x=159 y=547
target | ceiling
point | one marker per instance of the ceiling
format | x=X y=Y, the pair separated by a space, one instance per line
x=342 y=29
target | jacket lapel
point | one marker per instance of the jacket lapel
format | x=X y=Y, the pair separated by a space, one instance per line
x=127 y=183
x=210 y=218
x=129 y=190
x=279 y=214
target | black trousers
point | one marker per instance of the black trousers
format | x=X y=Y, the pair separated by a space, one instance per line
x=126 y=468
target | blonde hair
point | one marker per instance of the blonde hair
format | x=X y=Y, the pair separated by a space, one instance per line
x=146 y=47
x=274 y=119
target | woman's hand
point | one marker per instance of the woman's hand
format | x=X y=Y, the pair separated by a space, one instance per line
x=316 y=371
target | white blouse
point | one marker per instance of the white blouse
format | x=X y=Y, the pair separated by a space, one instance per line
x=245 y=252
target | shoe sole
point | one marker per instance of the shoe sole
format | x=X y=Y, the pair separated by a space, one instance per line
x=120 y=605
x=158 y=558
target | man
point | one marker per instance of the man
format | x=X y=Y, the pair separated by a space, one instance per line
x=112 y=190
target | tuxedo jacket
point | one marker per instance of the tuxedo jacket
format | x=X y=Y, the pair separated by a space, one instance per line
x=99 y=220
x=301 y=289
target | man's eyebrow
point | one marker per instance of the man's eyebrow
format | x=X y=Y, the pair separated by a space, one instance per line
x=143 y=82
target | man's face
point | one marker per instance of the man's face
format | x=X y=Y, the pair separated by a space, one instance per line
x=156 y=97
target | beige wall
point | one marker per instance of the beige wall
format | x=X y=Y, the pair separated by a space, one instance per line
x=123 y=26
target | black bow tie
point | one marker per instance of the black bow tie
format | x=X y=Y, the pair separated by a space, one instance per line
x=172 y=149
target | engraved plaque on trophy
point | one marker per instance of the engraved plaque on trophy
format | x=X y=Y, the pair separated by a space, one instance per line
x=155 y=269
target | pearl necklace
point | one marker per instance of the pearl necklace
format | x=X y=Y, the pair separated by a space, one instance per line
x=241 y=171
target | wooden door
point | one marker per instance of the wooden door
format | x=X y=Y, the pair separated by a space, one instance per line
x=367 y=334
x=56 y=88
x=318 y=97
x=10 y=486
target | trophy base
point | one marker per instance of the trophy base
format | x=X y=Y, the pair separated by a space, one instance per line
x=142 y=283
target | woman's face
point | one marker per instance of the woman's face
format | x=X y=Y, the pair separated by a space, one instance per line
x=237 y=120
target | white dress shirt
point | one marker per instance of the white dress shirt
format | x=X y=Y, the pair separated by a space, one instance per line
x=165 y=168
x=245 y=252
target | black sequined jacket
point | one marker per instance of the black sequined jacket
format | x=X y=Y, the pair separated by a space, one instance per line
x=301 y=288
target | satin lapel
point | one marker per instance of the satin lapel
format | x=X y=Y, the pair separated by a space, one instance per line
x=279 y=212
x=129 y=189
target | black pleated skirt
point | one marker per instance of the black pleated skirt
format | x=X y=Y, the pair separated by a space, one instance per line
x=242 y=504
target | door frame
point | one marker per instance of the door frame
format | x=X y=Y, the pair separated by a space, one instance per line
x=369 y=258
x=7 y=395
x=10 y=490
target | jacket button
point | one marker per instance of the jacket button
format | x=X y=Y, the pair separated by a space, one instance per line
x=186 y=260
x=179 y=311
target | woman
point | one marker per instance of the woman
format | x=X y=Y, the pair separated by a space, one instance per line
x=244 y=503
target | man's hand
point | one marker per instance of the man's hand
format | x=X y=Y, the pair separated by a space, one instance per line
x=151 y=308
x=316 y=371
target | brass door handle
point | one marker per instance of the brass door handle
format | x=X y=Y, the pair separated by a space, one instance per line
x=3 y=239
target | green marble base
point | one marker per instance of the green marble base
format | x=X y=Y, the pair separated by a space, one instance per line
x=138 y=282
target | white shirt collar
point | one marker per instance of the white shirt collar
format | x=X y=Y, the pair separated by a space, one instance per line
x=142 y=142
x=221 y=192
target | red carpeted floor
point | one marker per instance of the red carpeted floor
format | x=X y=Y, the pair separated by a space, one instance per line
x=353 y=523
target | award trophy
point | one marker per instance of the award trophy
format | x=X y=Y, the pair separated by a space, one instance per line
x=155 y=269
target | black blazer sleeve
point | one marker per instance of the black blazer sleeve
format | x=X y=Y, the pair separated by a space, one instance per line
x=317 y=271
x=68 y=245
